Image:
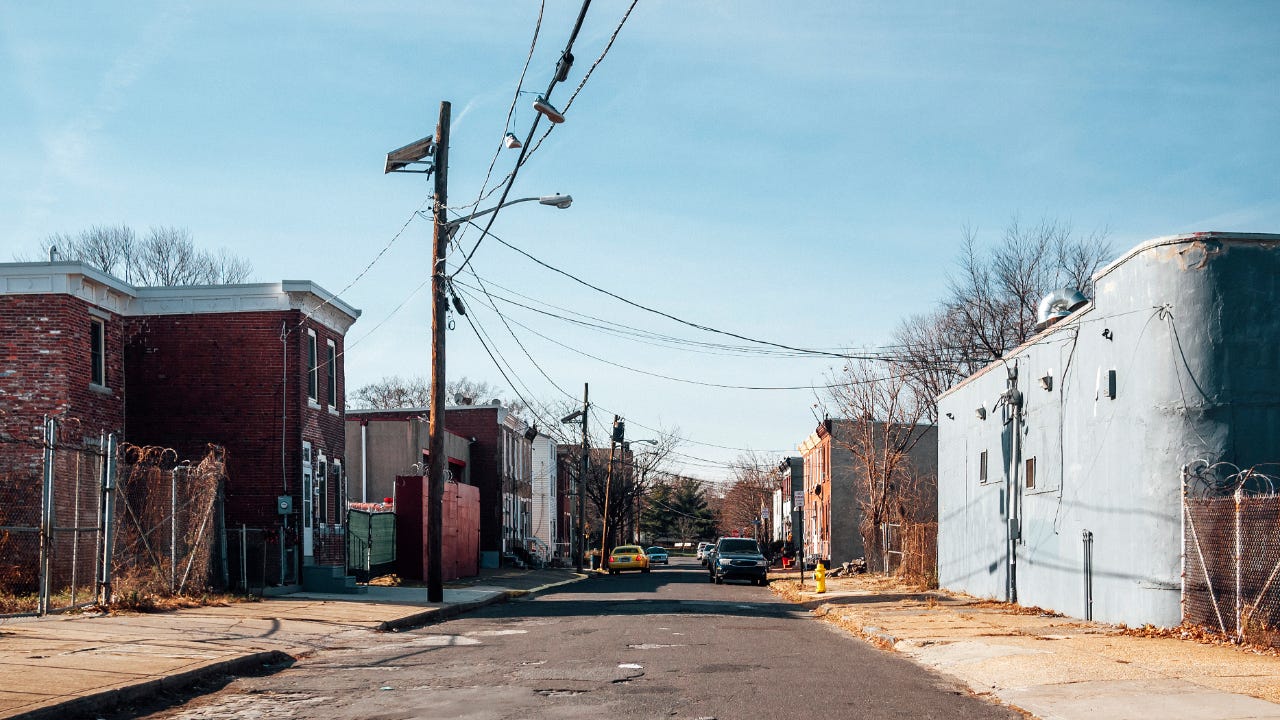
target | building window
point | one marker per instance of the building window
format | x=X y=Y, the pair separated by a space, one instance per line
x=1031 y=473
x=982 y=467
x=313 y=373
x=331 y=364
x=97 y=352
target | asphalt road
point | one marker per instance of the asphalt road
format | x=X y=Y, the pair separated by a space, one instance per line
x=667 y=644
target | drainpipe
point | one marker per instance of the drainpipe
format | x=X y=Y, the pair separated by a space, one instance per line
x=364 y=460
x=1087 y=538
x=1014 y=531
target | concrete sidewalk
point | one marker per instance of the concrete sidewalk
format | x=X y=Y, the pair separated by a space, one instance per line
x=65 y=666
x=1052 y=667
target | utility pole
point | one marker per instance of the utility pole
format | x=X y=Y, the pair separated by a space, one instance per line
x=619 y=432
x=435 y=446
x=582 y=479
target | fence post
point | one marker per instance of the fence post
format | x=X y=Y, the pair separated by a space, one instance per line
x=1238 y=494
x=46 y=514
x=173 y=529
x=108 y=515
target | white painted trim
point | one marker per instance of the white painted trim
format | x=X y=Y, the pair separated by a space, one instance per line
x=112 y=294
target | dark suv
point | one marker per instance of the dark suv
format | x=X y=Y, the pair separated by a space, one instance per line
x=737 y=558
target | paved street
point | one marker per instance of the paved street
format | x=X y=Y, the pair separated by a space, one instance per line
x=666 y=644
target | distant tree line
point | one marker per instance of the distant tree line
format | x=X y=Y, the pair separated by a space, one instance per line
x=165 y=256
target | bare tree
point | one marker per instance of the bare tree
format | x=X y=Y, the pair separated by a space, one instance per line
x=394 y=391
x=755 y=477
x=991 y=302
x=167 y=256
x=636 y=469
x=884 y=413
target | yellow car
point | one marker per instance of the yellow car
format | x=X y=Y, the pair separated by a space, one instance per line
x=628 y=557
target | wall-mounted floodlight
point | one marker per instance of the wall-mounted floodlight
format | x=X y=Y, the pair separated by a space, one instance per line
x=1046 y=382
x=546 y=108
x=511 y=141
x=981 y=412
x=411 y=154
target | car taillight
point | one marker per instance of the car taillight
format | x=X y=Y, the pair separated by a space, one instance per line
x=613 y=559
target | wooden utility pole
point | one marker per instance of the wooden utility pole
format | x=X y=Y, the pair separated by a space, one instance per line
x=614 y=439
x=439 y=303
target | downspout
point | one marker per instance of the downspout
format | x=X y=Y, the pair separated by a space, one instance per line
x=364 y=460
x=1014 y=531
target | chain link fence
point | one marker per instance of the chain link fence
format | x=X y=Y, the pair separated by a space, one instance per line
x=1231 y=551
x=83 y=521
x=166 y=520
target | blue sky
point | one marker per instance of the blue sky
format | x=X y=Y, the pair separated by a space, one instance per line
x=797 y=172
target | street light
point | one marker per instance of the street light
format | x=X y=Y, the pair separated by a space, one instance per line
x=400 y=160
x=557 y=200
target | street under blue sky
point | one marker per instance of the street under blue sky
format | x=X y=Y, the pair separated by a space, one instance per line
x=800 y=173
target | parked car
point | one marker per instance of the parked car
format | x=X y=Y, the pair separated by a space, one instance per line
x=738 y=558
x=702 y=552
x=628 y=557
x=657 y=556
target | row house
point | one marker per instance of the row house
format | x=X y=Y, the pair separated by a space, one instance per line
x=255 y=368
x=835 y=487
x=487 y=446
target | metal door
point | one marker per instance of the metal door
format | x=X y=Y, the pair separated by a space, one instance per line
x=308 y=502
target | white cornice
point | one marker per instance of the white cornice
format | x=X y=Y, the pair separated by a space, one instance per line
x=109 y=293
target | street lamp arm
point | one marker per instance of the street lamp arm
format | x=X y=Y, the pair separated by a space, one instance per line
x=560 y=201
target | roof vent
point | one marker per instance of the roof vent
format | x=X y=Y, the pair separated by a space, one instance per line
x=1057 y=305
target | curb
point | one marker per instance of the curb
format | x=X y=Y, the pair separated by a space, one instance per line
x=96 y=702
x=534 y=592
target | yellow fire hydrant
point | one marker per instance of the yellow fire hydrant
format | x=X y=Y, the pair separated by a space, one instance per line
x=820 y=578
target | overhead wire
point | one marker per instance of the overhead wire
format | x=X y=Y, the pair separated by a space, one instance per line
x=562 y=67
x=485 y=191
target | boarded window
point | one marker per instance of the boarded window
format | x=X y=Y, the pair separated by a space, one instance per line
x=313 y=379
x=982 y=467
x=1031 y=473
x=331 y=364
x=97 y=352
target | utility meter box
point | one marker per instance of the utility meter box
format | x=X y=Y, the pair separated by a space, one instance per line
x=284 y=504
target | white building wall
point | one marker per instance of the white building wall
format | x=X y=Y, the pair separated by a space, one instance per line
x=544 y=500
x=1169 y=320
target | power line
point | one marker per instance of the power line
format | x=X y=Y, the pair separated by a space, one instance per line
x=562 y=68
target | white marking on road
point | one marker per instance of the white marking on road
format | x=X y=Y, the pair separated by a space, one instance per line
x=441 y=640
x=653 y=646
x=495 y=633
x=631 y=666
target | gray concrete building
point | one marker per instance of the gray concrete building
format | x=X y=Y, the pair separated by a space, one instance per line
x=1061 y=465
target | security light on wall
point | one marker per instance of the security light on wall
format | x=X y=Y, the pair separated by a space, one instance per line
x=981 y=412
x=1046 y=381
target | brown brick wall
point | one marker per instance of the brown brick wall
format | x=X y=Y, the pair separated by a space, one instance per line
x=45 y=368
x=218 y=378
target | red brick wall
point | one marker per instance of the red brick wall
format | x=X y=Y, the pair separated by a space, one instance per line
x=481 y=423
x=218 y=378
x=44 y=344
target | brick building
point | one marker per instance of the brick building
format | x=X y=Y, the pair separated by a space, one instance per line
x=834 y=487
x=487 y=447
x=256 y=368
